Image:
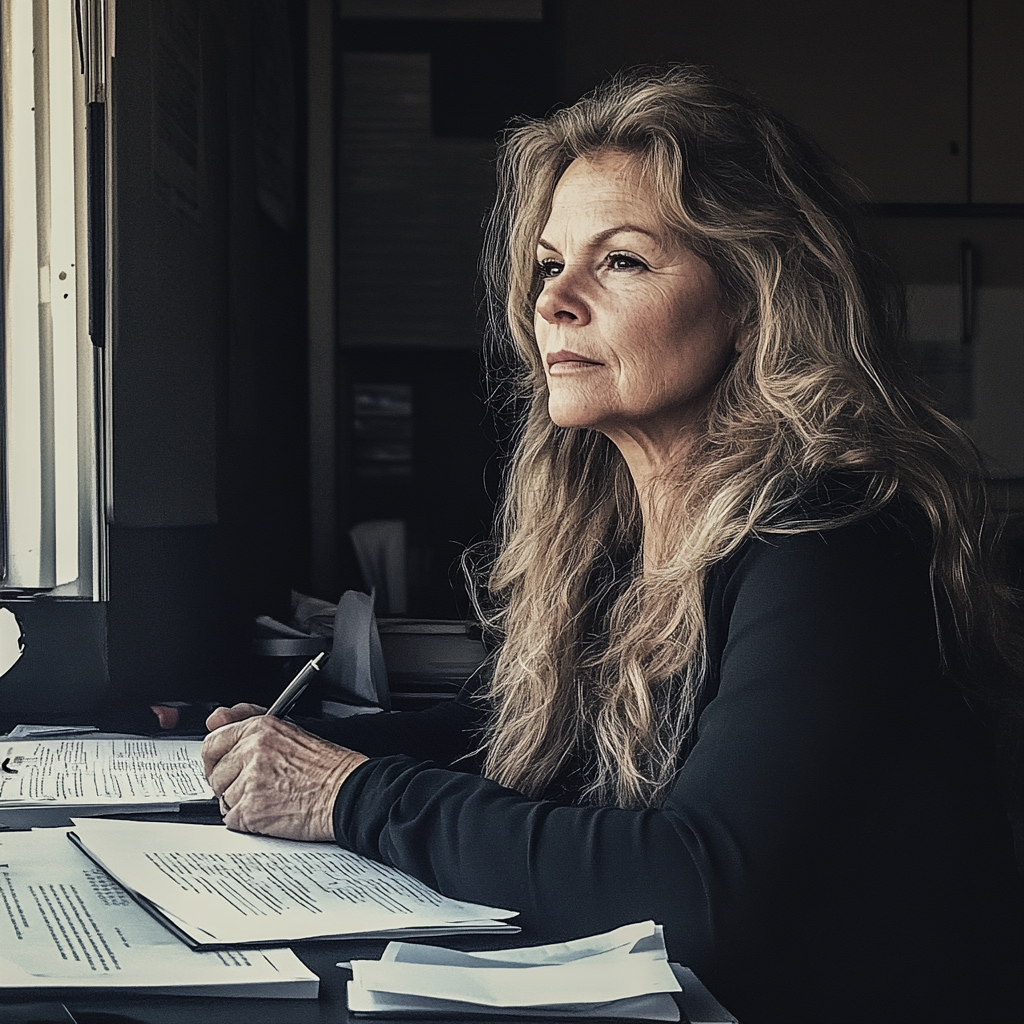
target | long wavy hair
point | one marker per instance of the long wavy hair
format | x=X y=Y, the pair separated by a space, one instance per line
x=600 y=663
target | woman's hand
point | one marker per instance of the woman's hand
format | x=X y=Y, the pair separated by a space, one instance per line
x=238 y=713
x=273 y=778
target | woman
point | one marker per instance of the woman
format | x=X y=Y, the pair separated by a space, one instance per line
x=750 y=648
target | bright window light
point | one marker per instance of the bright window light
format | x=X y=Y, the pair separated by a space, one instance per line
x=50 y=490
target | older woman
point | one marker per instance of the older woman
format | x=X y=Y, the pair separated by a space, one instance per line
x=750 y=650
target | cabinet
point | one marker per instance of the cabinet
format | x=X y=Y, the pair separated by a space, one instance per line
x=997 y=101
x=923 y=101
x=885 y=87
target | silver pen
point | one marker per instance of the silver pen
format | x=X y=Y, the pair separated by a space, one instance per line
x=294 y=690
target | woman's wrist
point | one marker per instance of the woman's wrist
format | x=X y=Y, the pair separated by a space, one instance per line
x=346 y=764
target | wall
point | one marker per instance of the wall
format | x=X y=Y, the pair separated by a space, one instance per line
x=924 y=102
x=209 y=381
x=423 y=91
x=209 y=508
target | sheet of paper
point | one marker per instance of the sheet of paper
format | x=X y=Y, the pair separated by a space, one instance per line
x=660 y=1007
x=20 y=732
x=227 y=887
x=79 y=770
x=609 y=946
x=623 y=973
x=617 y=947
x=65 y=923
x=576 y=984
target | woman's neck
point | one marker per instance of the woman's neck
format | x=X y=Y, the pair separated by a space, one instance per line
x=654 y=513
x=656 y=472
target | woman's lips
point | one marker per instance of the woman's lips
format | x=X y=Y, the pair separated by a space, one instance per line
x=569 y=362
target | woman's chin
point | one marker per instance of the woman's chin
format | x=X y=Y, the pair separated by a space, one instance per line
x=569 y=419
x=570 y=413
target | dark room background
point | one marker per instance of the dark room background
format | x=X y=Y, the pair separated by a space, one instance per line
x=300 y=190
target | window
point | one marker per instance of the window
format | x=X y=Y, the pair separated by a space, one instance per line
x=51 y=539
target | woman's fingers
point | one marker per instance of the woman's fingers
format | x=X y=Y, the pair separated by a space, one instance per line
x=275 y=779
x=218 y=743
x=238 y=713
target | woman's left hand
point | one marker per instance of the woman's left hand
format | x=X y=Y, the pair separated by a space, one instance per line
x=275 y=779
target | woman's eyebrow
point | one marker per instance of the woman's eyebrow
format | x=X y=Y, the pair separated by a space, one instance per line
x=603 y=236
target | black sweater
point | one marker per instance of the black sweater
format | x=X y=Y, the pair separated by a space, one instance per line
x=833 y=848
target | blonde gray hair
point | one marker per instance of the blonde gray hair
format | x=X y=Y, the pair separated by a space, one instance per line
x=600 y=665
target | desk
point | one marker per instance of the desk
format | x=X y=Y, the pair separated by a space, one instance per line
x=70 y=1006
x=104 y=1008
x=319 y=957
x=98 y=1007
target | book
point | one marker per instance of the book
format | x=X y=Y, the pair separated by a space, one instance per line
x=217 y=889
x=68 y=925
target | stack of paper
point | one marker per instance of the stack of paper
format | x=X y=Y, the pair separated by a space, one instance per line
x=24 y=732
x=112 y=774
x=216 y=888
x=67 y=925
x=622 y=974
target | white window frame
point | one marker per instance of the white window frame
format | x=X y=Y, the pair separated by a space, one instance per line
x=52 y=536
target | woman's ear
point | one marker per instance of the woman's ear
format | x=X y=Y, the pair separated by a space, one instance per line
x=742 y=337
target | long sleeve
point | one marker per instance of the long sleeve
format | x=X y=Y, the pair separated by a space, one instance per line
x=447 y=733
x=836 y=786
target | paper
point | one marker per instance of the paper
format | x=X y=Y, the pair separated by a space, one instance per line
x=65 y=923
x=356 y=665
x=11 y=643
x=575 y=984
x=644 y=936
x=45 y=772
x=658 y=1007
x=228 y=888
x=21 y=732
x=622 y=973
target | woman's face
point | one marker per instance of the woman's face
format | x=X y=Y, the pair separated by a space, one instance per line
x=629 y=322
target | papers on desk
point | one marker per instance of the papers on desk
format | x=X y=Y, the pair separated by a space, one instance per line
x=21 y=732
x=112 y=773
x=65 y=924
x=216 y=888
x=622 y=974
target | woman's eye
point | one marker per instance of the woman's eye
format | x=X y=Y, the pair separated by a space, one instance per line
x=548 y=268
x=620 y=261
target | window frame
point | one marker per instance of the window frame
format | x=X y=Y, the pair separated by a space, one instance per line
x=53 y=375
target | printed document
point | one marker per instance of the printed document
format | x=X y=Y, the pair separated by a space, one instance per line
x=64 y=923
x=216 y=887
x=79 y=771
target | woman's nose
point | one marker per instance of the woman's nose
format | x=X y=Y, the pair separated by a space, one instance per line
x=560 y=301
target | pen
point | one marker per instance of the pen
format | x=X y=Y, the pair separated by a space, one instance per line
x=294 y=690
